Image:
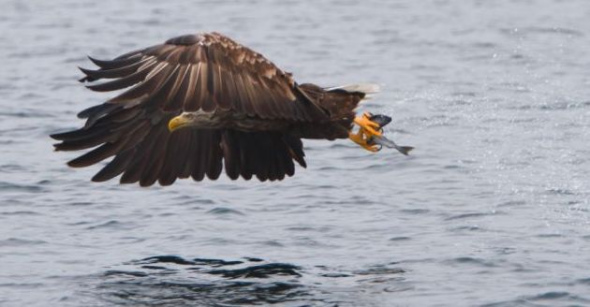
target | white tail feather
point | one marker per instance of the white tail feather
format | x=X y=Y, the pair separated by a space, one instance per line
x=366 y=88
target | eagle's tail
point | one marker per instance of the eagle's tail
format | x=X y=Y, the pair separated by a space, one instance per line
x=365 y=88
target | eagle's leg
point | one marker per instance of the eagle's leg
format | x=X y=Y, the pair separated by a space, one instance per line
x=367 y=130
x=361 y=138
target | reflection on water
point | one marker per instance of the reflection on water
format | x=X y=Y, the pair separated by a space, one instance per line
x=175 y=281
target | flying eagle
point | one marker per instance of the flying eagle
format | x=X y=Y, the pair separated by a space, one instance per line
x=200 y=103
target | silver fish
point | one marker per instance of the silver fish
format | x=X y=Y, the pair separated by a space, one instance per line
x=383 y=141
x=383 y=120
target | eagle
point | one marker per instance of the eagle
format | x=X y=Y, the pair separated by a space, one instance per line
x=198 y=104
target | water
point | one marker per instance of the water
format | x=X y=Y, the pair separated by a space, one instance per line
x=492 y=208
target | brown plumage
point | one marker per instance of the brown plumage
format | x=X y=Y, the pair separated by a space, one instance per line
x=246 y=115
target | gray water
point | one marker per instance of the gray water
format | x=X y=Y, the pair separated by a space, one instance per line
x=492 y=208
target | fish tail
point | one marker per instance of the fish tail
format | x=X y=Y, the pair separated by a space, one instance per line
x=405 y=149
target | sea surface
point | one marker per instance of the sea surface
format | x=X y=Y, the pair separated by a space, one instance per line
x=491 y=209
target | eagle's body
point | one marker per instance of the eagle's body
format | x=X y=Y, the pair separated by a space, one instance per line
x=198 y=103
x=338 y=105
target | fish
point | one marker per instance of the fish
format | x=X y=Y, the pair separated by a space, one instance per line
x=381 y=140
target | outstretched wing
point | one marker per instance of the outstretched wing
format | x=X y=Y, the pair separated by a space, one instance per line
x=189 y=73
x=204 y=71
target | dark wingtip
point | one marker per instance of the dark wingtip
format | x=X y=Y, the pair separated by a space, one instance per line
x=97 y=62
x=56 y=147
x=60 y=136
x=95 y=178
x=74 y=163
x=102 y=176
x=87 y=77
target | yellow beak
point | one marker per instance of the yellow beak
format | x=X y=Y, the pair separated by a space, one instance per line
x=177 y=122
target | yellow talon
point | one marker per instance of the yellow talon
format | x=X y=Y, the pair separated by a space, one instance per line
x=367 y=130
x=361 y=138
x=365 y=123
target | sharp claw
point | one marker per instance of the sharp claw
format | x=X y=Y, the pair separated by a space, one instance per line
x=361 y=139
x=373 y=131
x=372 y=148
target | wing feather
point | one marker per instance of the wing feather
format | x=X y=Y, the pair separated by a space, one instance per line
x=243 y=96
x=226 y=92
x=144 y=155
x=119 y=72
x=203 y=159
x=198 y=171
x=170 y=97
x=188 y=153
x=188 y=89
x=122 y=83
x=116 y=63
x=203 y=97
x=231 y=155
x=98 y=154
x=171 y=163
x=215 y=156
x=151 y=173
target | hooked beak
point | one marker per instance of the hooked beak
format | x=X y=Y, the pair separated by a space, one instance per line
x=177 y=122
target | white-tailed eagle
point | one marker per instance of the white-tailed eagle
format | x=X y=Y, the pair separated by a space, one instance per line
x=200 y=103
